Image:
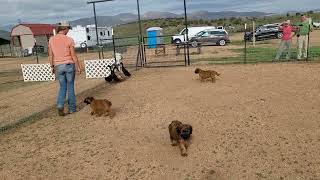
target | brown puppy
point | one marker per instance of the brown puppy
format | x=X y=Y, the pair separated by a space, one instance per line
x=99 y=106
x=206 y=74
x=179 y=135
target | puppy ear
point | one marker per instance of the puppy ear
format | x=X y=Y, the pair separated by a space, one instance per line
x=108 y=102
x=86 y=100
x=178 y=129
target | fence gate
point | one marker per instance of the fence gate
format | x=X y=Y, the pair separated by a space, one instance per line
x=159 y=51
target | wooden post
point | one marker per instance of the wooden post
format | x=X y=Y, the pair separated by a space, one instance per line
x=254 y=34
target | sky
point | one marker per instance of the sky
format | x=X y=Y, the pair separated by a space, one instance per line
x=52 y=11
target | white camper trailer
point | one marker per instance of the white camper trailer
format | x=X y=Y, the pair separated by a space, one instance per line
x=86 y=36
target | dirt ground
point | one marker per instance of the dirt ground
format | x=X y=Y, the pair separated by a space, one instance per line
x=20 y=99
x=256 y=122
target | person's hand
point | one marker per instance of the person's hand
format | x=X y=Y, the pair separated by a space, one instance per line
x=78 y=70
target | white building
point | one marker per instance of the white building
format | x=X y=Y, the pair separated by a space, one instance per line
x=86 y=36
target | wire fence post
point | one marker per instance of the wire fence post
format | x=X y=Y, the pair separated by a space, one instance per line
x=141 y=38
x=114 y=47
x=96 y=27
x=254 y=34
x=245 y=43
x=36 y=49
x=187 y=31
x=308 y=46
x=95 y=20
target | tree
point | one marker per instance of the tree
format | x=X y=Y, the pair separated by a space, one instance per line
x=237 y=21
x=201 y=21
x=310 y=12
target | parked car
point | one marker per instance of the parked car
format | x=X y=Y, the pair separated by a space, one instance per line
x=316 y=24
x=269 y=31
x=192 y=31
x=211 y=37
x=38 y=49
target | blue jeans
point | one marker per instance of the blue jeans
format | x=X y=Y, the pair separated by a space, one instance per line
x=65 y=73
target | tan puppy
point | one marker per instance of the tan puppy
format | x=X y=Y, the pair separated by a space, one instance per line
x=206 y=74
x=179 y=135
x=99 y=106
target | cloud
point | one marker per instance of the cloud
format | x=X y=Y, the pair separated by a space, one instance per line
x=48 y=11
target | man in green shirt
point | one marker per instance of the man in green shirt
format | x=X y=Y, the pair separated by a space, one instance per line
x=304 y=28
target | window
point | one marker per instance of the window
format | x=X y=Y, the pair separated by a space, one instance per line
x=101 y=34
x=108 y=33
x=87 y=30
x=217 y=32
x=183 y=31
x=88 y=37
x=263 y=28
x=200 y=33
x=205 y=34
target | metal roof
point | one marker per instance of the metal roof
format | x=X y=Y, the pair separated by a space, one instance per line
x=39 y=29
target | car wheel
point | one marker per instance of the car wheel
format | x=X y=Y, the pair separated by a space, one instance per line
x=83 y=45
x=279 y=35
x=222 y=42
x=177 y=41
x=194 y=44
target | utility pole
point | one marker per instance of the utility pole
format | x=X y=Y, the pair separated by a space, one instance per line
x=95 y=21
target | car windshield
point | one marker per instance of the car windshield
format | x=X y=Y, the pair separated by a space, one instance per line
x=183 y=32
x=200 y=33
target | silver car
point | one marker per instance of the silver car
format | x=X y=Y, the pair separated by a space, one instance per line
x=211 y=37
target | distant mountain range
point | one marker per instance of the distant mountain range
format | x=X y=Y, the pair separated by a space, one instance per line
x=7 y=28
x=5 y=35
x=129 y=17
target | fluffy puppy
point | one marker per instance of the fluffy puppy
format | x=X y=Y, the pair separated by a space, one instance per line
x=179 y=135
x=206 y=74
x=99 y=106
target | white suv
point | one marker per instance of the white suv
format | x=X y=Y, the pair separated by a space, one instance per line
x=192 y=31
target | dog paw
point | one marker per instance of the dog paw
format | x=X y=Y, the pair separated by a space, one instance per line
x=184 y=154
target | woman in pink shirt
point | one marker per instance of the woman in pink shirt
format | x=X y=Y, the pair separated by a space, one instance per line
x=285 y=40
x=64 y=62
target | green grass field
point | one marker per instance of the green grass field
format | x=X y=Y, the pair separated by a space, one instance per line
x=257 y=55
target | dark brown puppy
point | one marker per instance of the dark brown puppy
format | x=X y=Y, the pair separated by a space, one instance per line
x=99 y=106
x=206 y=74
x=179 y=135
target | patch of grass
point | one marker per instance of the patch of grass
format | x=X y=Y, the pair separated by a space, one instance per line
x=256 y=55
